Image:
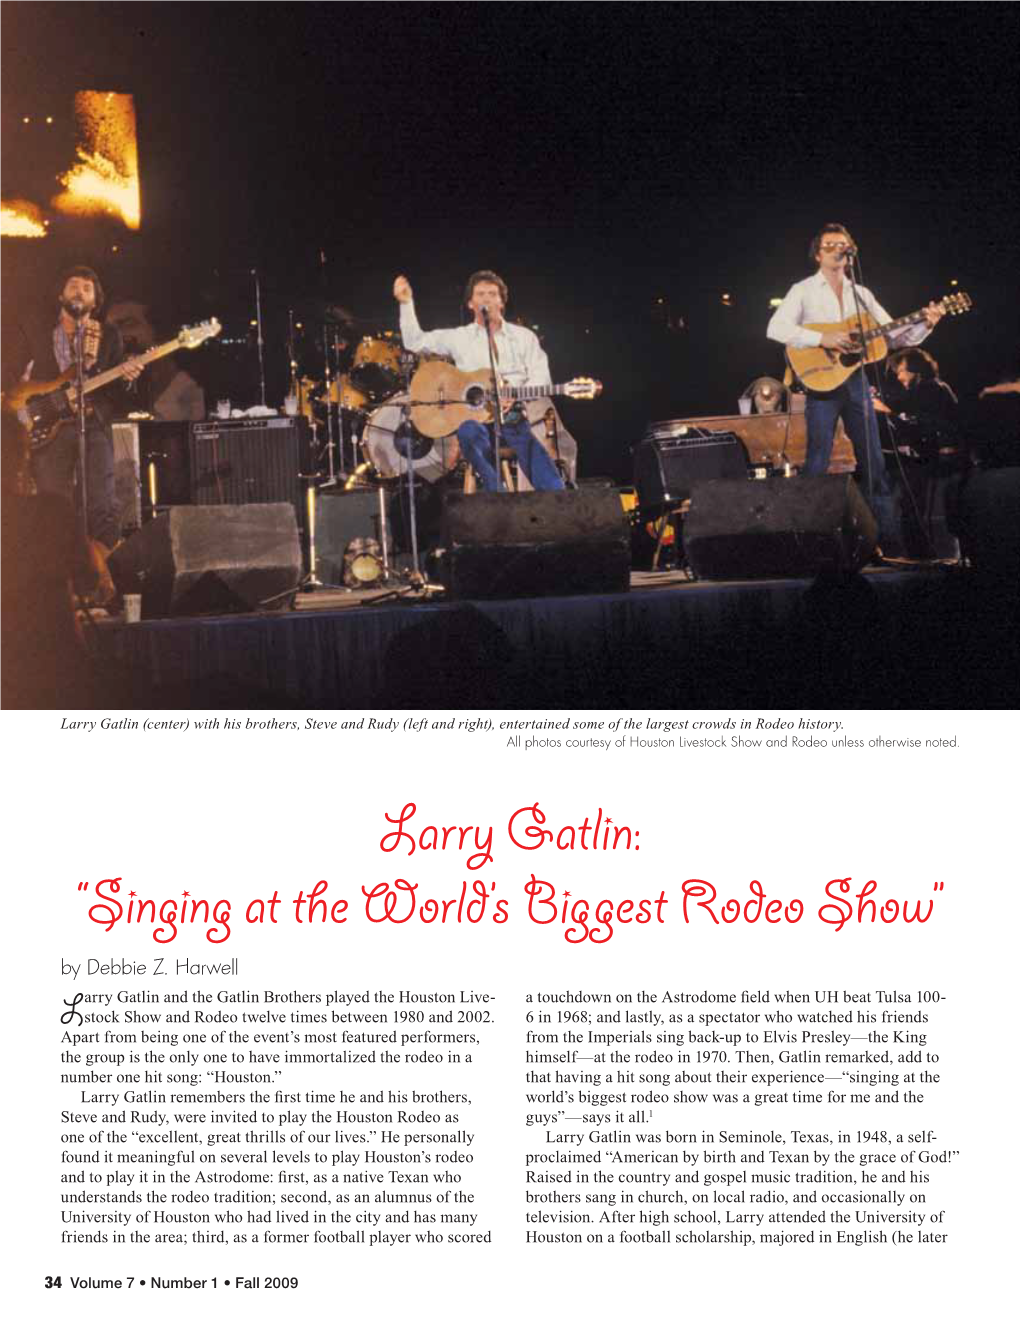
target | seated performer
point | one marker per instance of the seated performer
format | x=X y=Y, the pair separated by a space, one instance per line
x=921 y=411
x=520 y=360
x=827 y=297
x=921 y=404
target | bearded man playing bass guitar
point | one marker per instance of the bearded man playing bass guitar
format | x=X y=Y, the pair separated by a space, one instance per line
x=45 y=351
x=520 y=360
x=827 y=296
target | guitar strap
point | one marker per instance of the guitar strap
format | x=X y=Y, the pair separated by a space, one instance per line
x=92 y=334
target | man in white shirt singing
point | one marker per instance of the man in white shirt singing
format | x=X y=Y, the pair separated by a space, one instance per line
x=520 y=360
x=827 y=297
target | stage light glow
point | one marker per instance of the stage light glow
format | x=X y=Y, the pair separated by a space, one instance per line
x=775 y=302
x=20 y=219
x=104 y=178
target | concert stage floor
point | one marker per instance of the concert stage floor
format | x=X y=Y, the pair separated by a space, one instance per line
x=887 y=638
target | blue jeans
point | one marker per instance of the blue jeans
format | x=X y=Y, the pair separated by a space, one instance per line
x=476 y=444
x=852 y=403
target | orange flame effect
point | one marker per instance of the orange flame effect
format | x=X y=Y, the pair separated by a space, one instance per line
x=105 y=177
x=20 y=219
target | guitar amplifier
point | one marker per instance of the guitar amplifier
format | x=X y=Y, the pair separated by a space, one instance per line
x=251 y=461
x=667 y=463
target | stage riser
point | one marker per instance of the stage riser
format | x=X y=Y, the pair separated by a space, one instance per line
x=879 y=641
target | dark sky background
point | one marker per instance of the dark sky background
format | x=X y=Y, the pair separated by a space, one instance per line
x=599 y=156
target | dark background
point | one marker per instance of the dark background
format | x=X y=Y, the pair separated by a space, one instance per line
x=601 y=157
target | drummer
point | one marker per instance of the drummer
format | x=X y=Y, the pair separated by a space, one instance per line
x=520 y=361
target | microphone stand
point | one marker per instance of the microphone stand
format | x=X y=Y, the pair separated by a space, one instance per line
x=869 y=412
x=337 y=381
x=327 y=379
x=497 y=412
x=870 y=419
x=79 y=351
x=258 y=319
x=291 y=353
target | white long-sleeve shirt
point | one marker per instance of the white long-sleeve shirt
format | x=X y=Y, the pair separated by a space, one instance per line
x=813 y=300
x=521 y=360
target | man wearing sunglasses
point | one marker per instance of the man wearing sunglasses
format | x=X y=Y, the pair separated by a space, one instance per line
x=828 y=297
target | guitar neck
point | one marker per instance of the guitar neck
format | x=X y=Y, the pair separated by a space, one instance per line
x=114 y=373
x=890 y=327
x=525 y=392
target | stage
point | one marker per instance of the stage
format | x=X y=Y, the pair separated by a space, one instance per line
x=886 y=638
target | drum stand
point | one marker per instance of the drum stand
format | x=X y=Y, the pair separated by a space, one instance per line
x=417 y=588
x=329 y=343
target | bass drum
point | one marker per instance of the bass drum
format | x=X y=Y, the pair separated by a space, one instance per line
x=390 y=442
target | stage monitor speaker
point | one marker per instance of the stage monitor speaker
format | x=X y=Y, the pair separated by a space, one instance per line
x=984 y=512
x=250 y=461
x=794 y=527
x=534 y=543
x=211 y=561
x=667 y=467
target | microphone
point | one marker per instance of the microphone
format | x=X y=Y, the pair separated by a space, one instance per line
x=75 y=308
x=850 y=253
x=485 y=315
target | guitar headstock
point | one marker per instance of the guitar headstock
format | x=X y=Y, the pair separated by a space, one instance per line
x=193 y=335
x=583 y=387
x=957 y=303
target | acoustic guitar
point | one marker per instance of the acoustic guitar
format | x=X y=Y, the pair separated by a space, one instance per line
x=823 y=369
x=443 y=397
x=50 y=402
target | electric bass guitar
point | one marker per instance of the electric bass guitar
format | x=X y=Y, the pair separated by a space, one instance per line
x=48 y=403
x=823 y=369
x=443 y=397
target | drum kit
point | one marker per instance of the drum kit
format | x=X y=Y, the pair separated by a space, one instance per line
x=356 y=395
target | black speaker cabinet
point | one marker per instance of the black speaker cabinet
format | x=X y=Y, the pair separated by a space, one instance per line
x=211 y=561
x=795 y=527
x=250 y=461
x=984 y=512
x=667 y=467
x=534 y=543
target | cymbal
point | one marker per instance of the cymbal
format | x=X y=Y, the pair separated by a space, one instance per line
x=325 y=311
